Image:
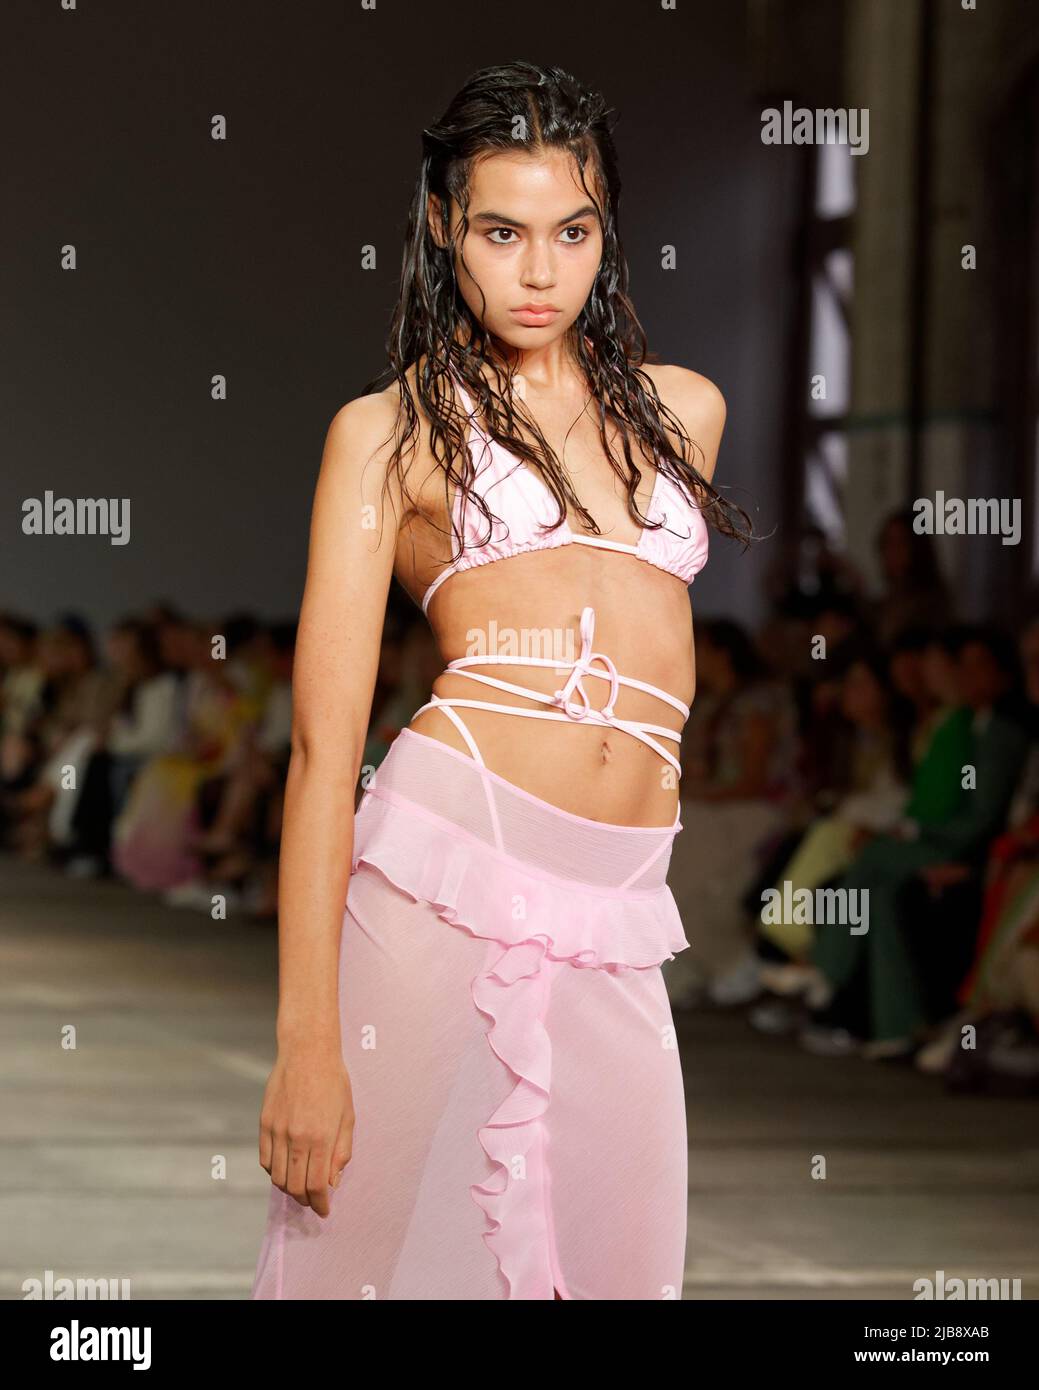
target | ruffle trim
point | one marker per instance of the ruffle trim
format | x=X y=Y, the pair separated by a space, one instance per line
x=563 y=923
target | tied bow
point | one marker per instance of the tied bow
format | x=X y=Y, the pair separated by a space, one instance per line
x=582 y=667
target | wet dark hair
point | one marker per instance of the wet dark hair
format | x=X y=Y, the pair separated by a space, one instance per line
x=901 y=716
x=521 y=106
x=146 y=637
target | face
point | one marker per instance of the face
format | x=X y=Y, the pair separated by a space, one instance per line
x=907 y=675
x=981 y=677
x=533 y=239
x=862 y=698
x=54 y=653
x=123 y=650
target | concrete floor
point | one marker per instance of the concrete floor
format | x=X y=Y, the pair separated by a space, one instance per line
x=109 y=1148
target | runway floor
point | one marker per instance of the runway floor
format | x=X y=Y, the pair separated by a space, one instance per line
x=133 y=1154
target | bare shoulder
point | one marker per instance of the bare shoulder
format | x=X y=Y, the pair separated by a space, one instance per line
x=367 y=445
x=699 y=405
x=364 y=426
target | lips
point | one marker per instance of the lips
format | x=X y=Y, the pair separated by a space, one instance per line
x=535 y=317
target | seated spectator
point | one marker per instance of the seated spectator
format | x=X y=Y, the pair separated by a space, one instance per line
x=739 y=773
x=152 y=832
x=21 y=703
x=241 y=807
x=137 y=715
x=873 y=790
x=915 y=593
x=987 y=668
x=74 y=697
x=1003 y=977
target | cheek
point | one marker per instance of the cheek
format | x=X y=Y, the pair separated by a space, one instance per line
x=585 y=267
x=483 y=269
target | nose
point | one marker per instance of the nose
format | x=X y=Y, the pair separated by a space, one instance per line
x=538 y=266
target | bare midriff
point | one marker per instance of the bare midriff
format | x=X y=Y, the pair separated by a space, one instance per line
x=530 y=604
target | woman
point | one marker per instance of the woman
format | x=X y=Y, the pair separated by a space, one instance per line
x=915 y=590
x=874 y=792
x=478 y=1056
x=735 y=797
x=153 y=833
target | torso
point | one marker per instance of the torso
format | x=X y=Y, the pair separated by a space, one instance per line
x=643 y=621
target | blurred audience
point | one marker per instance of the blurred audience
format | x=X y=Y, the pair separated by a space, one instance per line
x=859 y=863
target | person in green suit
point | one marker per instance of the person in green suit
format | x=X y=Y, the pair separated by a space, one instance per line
x=930 y=833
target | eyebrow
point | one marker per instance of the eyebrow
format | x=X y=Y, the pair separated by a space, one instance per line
x=500 y=220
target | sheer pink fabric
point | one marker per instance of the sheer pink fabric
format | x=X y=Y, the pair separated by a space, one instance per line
x=517 y=1085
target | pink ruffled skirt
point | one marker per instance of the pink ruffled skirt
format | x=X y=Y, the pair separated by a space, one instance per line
x=520 y=1113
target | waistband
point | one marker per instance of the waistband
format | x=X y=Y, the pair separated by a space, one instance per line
x=459 y=797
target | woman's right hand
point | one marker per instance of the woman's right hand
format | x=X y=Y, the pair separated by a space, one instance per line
x=307 y=1125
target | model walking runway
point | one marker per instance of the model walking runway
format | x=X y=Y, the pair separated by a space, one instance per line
x=489 y=1104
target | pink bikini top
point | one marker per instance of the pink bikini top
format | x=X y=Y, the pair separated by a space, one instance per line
x=523 y=507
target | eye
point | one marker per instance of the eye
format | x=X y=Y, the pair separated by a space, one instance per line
x=583 y=237
x=494 y=230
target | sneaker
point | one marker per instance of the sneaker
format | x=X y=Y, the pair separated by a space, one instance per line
x=1015 y=1054
x=192 y=894
x=934 y=1057
x=738 y=985
x=84 y=866
x=828 y=1042
x=787 y=979
x=776 y=1017
x=820 y=993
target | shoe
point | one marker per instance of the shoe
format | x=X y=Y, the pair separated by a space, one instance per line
x=84 y=866
x=192 y=894
x=777 y=1017
x=828 y=1042
x=1015 y=1054
x=787 y=979
x=820 y=993
x=738 y=985
x=935 y=1056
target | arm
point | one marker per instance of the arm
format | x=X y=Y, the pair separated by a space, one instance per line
x=307 y=1120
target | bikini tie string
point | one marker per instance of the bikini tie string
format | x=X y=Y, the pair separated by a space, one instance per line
x=582 y=667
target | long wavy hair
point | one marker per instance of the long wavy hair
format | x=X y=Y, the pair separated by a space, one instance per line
x=501 y=109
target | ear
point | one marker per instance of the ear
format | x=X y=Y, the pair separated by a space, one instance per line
x=434 y=219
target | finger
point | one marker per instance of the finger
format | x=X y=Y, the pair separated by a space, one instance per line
x=342 y=1149
x=266 y=1145
x=296 y=1177
x=317 y=1179
x=280 y=1159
